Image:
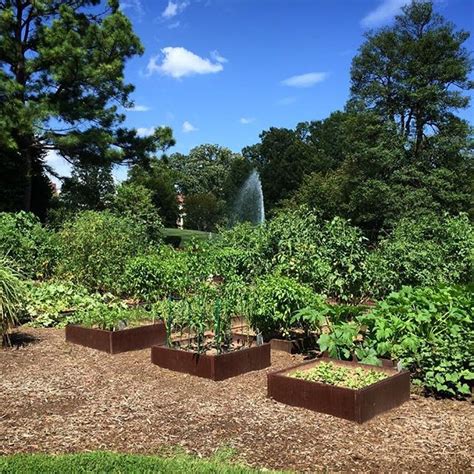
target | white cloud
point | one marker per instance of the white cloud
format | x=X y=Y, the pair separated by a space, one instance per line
x=174 y=8
x=174 y=25
x=189 y=127
x=218 y=57
x=145 y=131
x=384 y=12
x=179 y=62
x=133 y=5
x=246 y=120
x=138 y=108
x=305 y=80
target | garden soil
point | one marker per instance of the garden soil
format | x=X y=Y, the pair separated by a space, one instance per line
x=58 y=397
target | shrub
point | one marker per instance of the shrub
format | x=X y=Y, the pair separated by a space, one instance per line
x=431 y=330
x=426 y=252
x=11 y=295
x=329 y=256
x=274 y=300
x=29 y=246
x=95 y=247
x=158 y=275
x=136 y=202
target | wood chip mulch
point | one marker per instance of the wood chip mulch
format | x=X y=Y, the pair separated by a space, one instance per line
x=57 y=397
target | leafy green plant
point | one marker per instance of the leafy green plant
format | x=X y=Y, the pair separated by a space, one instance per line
x=431 y=331
x=52 y=303
x=136 y=202
x=276 y=299
x=11 y=296
x=95 y=247
x=429 y=251
x=111 y=318
x=30 y=247
x=329 y=373
x=157 y=275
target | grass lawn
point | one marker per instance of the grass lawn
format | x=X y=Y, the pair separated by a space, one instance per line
x=103 y=462
x=187 y=234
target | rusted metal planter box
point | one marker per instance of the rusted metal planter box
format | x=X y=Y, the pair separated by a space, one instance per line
x=214 y=367
x=113 y=342
x=293 y=346
x=355 y=405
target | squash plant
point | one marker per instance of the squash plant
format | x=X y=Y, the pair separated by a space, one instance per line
x=432 y=331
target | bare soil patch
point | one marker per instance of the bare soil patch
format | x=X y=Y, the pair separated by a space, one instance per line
x=57 y=397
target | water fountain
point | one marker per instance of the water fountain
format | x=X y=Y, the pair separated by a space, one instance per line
x=249 y=205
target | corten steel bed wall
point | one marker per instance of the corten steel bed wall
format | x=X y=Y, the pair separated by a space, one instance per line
x=114 y=342
x=355 y=405
x=215 y=366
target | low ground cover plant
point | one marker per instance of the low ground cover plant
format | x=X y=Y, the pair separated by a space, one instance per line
x=339 y=376
x=53 y=303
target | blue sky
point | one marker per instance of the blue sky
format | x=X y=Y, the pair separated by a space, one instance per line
x=221 y=71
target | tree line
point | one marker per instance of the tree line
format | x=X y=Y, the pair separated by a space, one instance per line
x=398 y=149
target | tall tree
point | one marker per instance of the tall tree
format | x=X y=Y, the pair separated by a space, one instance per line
x=90 y=187
x=205 y=169
x=414 y=72
x=62 y=83
x=159 y=179
x=282 y=159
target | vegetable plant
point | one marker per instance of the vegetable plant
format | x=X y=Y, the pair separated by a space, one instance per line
x=340 y=376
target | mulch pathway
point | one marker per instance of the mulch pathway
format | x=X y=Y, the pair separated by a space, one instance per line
x=57 y=397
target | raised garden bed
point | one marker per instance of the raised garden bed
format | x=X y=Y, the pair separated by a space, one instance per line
x=113 y=342
x=357 y=405
x=212 y=365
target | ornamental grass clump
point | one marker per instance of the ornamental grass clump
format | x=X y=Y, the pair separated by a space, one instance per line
x=339 y=376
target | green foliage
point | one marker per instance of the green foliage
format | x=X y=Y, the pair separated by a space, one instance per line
x=329 y=256
x=53 y=304
x=340 y=376
x=275 y=299
x=159 y=179
x=100 y=462
x=413 y=73
x=88 y=188
x=95 y=247
x=11 y=297
x=204 y=170
x=431 y=330
x=136 y=202
x=203 y=211
x=62 y=75
x=423 y=252
x=29 y=246
x=282 y=160
x=194 y=316
x=151 y=277
x=111 y=317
